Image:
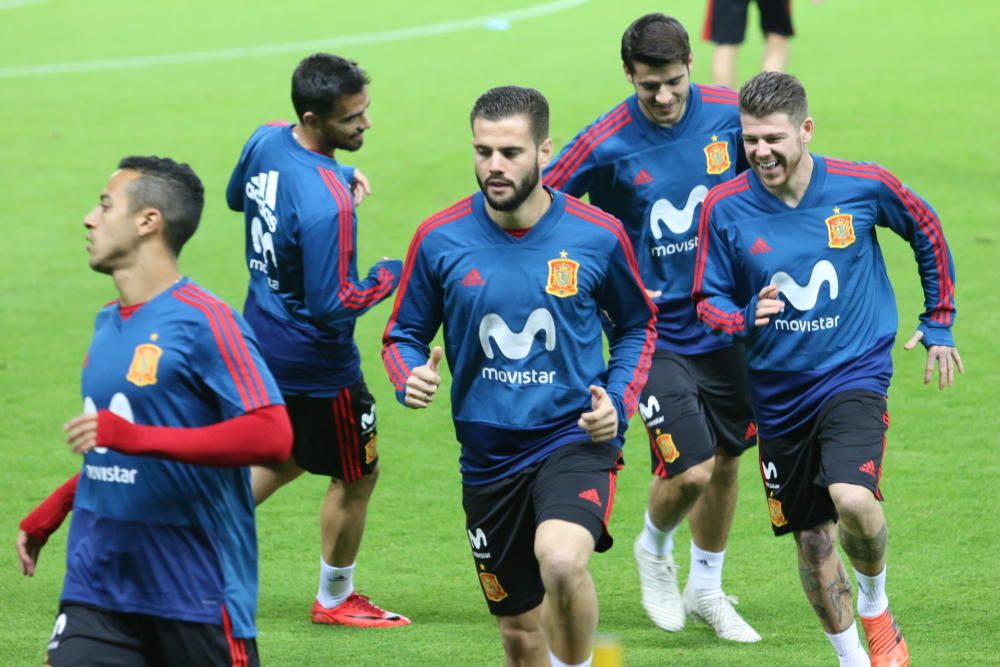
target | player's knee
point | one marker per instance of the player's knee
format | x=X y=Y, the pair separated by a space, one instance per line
x=692 y=482
x=855 y=504
x=815 y=545
x=521 y=640
x=563 y=570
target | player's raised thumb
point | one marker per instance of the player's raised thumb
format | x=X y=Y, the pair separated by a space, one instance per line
x=434 y=361
x=596 y=394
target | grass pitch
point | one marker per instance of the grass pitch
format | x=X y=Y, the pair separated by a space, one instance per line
x=907 y=84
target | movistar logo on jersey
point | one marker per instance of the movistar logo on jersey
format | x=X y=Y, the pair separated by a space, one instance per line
x=678 y=221
x=804 y=297
x=493 y=330
x=113 y=474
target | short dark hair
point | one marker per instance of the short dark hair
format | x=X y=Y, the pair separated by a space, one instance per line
x=774 y=92
x=507 y=101
x=321 y=79
x=655 y=40
x=171 y=188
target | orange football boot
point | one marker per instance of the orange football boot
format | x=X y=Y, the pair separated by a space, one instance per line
x=886 y=645
x=357 y=611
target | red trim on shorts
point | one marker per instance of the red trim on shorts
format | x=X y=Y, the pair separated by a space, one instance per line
x=706 y=31
x=661 y=468
x=885 y=445
x=612 y=487
x=351 y=424
x=237 y=647
x=337 y=407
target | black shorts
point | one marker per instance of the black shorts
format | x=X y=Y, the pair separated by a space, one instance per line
x=726 y=20
x=85 y=636
x=335 y=436
x=692 y=405
x=844 y=442
x=576 y=484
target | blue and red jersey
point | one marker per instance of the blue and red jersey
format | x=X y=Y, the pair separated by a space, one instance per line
x=301 y=230
x=839 y=323
x=522 y=328
x=153 y=536
x=654 y=179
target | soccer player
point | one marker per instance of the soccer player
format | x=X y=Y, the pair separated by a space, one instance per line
x=518 y=274
x=650 y=162
x=304 y=298
x=726 y=26
x=161 y=560
x=790 y=260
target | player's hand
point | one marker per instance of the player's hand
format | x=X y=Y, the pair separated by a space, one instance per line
x=423 y=383
x=943 y=356
x=28 y=550
x=81 y=433
x=601 y=423
x=360 y=187
x=768 y=304
x=653 y=293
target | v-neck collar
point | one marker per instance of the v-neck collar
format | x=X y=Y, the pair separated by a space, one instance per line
x=813 y=191
x=651 y=129
x=144 y=306
x=539 y=230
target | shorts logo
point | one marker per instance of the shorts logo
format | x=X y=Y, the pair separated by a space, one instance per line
x=665 y=443
x=717 y=156
x=142 y=371
x=591 y=495
x=751 y=432
x=650 y=408
x=677 y=220
x=517 y=345
x=477 y=539
x=562 y=276
x=371 y=450
x=840 y=228
x=491 y=587
x=777 y=515
x=368 y=419
x=804 y=297
x=868 y=467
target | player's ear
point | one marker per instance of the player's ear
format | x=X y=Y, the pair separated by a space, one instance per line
x=690 y=63
x=628 y=74
x=310 y=119
x=806 y=130
x=545 y=153
x=148 y=221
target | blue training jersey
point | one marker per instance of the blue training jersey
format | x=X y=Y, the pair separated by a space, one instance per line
x=839 y=323
x=304 y=293
x=522 y=332
x=654 y=180
x=158 y=537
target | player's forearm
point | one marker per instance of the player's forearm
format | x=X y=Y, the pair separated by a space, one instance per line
x=261 y=436
x=45 y=519
x=631 y=355
x=354 y=299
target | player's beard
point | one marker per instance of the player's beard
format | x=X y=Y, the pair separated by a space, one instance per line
x=519 y=191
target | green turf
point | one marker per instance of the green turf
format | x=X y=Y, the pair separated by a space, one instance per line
x=908 y=84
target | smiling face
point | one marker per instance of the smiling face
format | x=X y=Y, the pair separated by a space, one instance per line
x=662 y=90
x=344 y=126
x=112 y=228
x=776 y=148
x=508 y=163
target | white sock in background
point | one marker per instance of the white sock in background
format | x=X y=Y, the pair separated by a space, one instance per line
x=335 y=584
x=655 y=541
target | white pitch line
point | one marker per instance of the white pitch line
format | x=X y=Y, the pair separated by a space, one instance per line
x=14 y=4
x=291 y=47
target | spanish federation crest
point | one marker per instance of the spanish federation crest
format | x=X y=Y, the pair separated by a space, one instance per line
x=717 y=156
x=777 y=514
x=142 y=370
x=491 y=587
x=840 y=228
x=562 y=276
x=371 y=450
x=667 y=447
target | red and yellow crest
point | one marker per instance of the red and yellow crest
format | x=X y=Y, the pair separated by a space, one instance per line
x=142 y=370
x=491 y=587
x=667 y=447
x=371 y=450
x=717 y=156
x=840 y=227
x=777 y=514
x=562 y=276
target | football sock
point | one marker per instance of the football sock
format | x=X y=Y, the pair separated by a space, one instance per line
x=335 y=584
x=655 y=541
x=556 y=662
x=706 y=569
x=847 y=644
x=872 y=599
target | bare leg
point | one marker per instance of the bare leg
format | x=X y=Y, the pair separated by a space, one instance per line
x=775 y=53
x=523 y=639
x=863 y=531
x=724 y=64
x=823 y=577
x=671 y=499
x=342 y=519
x=265 y=480
x=563 y=551
x=712 y=515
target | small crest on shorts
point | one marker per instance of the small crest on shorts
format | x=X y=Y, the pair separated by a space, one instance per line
x=491 y=587
x=562 y=276
x=371 y=450
x=840 y=228
x=717 y=156
x=777 y=514
x=668 y=449
x=145 y=359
